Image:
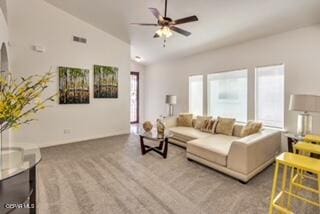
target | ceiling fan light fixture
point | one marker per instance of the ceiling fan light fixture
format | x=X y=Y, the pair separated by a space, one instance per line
x=164 y=32
x=167 y=25
x=159 y=32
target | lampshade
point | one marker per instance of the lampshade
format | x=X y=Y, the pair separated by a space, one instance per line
x=304 y=103
x=171 y=99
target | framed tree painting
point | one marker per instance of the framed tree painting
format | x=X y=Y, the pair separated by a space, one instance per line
x=105 y=81
x=73 y=86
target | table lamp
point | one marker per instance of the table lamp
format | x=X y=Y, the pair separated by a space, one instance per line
x=304 y=104
x=171 y=100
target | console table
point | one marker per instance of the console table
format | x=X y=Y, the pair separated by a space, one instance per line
x=18 y=179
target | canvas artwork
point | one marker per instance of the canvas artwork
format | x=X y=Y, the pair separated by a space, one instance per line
x=105 y=81
x=73 y=86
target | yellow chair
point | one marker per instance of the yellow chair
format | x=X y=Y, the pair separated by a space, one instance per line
x=312 y=139
x=299 y=163
x=306 y=148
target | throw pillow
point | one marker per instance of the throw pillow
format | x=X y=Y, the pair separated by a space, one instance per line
x=251 y=128
x=209 y=126
x=200 y=120
x=194 y=122
x=185 y=120
x=225 y=126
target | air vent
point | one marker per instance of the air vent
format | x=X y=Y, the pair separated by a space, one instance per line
x=80 y=39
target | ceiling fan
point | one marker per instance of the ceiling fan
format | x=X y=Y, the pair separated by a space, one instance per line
x=167 y=25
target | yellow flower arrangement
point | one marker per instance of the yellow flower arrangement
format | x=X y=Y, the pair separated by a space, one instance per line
x=21 y=99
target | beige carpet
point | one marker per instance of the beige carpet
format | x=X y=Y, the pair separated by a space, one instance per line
x=111 y=176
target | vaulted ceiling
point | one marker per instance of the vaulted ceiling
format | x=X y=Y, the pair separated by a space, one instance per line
x=221 y=22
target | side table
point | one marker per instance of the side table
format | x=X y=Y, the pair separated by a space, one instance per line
x=292 y=139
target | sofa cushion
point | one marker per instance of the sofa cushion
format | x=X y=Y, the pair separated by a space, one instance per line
x=225 y=126
x=185 y=120
x=187 y=133
x=194 y=122
x=214 y=148
x=200 y=120
x=209 y=126
x=237 y=128
x=251 y=128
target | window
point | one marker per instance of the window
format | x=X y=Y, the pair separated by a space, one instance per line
x=227 y=94
x=270 y=95
x=196 y=95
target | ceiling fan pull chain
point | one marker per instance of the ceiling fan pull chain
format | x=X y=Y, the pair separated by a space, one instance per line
x=164 y=42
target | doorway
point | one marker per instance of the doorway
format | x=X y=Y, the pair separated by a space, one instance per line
x=134 y=97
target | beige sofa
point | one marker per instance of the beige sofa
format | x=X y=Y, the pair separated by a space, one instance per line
x=242 y=158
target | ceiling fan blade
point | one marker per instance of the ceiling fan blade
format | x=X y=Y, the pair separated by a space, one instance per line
x=156 y=13
x=181 y=31
x=185 y=20
x=156 y=36
x=144 y=24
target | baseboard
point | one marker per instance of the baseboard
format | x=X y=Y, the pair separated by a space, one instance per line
x=77 y=140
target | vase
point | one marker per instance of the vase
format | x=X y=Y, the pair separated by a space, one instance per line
x=1 y=141
x=2 y=138
x=147 y=126
x=160 y=127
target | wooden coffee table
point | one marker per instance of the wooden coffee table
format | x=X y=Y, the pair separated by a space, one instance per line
x=161 y=149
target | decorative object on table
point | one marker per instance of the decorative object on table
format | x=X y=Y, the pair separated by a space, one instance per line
x=171 y=100
x=147 y=126
x=160 y=128
x=73 y=86
x=21 y=98
x=304 y=104
x=105 y=81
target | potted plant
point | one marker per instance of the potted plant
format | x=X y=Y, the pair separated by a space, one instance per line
x=21 y=98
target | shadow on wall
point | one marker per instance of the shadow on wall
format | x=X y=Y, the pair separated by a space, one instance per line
x=3 y=7
x=4 y=64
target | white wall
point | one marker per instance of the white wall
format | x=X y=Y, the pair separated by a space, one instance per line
x=137 y=67
x=299 y=50
x=35 y=22
x=3 y=6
